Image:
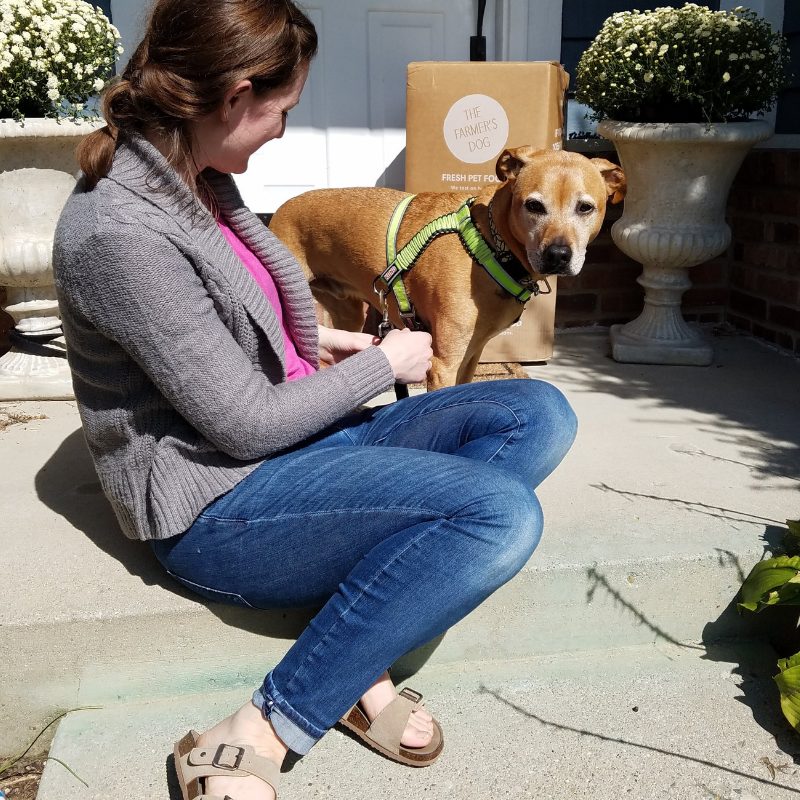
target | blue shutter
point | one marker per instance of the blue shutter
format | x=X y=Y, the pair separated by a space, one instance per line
x=788 y=120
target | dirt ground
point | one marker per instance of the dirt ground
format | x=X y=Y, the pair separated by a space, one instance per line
x=21 y=782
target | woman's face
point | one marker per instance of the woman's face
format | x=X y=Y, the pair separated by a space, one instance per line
x=225 y=139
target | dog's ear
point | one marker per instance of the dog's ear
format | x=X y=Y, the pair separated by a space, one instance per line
x=513 y=160
x=616 y=183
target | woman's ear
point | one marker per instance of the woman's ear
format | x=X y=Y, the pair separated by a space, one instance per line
x=234 y=96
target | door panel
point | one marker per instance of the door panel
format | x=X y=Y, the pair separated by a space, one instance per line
x=349 y=129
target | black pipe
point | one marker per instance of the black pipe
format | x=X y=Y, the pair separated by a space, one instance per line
x=477 y=44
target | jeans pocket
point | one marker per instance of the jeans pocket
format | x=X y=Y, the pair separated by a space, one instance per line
x=218 y=596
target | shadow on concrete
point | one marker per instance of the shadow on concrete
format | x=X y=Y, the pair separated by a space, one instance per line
x=598 y=581
x=749 y=391
x=68 y=484
x=583 y=732
x=695 y=506
x=730 y=624
x=752 y=642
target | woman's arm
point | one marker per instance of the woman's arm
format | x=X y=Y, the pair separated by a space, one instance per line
x=158 y=310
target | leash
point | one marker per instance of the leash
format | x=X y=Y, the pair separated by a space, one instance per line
x=384 y=326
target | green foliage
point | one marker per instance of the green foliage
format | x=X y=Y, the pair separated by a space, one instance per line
x=791 y=541
x=776 y=581
x=788 y=680
x=686 y=64
x=771 y=582
x=54 y=55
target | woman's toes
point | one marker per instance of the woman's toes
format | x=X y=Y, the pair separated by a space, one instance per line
x=419 y=730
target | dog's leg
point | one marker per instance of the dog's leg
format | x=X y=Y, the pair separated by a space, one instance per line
x=346 y=313
x=443 y=371
x=466 y=371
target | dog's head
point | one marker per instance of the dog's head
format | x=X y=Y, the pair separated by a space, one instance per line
x=558 y=200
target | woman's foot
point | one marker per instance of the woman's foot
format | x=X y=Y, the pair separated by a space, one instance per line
x=419 y=730
x=246 y=726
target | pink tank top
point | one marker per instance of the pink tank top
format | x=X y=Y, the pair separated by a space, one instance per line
x=296 y=367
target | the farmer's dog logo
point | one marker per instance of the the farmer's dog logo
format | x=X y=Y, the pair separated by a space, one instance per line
x=476 y=128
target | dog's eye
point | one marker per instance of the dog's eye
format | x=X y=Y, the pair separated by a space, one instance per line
x=585 y=208
x=535 y=206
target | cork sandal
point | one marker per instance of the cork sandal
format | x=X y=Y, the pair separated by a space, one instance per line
x=194 y=764
x=384 y=732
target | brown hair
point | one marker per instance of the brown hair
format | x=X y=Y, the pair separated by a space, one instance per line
x=193 y=52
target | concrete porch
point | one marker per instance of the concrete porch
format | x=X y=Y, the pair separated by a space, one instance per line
x=613 y=665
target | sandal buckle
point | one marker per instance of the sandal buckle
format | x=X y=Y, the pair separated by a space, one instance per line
x=411 y=695
x=221 y=762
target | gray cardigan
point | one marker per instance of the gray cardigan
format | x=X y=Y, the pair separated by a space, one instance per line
x=176 y=354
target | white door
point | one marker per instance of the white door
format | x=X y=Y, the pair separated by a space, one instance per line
x=349 y=129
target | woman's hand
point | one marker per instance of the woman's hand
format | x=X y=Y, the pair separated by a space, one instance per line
x=409 y=353
x=336 y=345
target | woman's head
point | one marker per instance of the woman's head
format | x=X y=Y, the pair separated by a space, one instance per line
x=195 y=55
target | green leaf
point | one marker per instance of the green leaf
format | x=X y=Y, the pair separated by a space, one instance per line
x=791 y=539
x=771 y=582
x=788 y=680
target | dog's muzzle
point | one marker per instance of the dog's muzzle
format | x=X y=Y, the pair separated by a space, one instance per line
x=556 y=258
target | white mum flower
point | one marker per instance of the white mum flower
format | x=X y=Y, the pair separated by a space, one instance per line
x=681 y=68
x=98 y=84
x=726 y=76
x=648 y=76
x=53 y=94
x=663 y=49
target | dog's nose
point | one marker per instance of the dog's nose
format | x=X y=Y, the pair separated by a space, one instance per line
x=557 y=256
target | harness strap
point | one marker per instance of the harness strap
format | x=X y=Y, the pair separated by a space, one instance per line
x=459 y=222
x=395 y=283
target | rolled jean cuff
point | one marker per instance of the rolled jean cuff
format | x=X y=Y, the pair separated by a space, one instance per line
x=296 y=733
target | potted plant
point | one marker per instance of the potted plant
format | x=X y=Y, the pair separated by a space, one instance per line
x=54 y=56
x=676 y=90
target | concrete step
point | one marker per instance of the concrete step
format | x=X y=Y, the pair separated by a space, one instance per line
x=658 y=721
x=678 y=483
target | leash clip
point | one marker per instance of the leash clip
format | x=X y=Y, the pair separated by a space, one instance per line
x=385 y=325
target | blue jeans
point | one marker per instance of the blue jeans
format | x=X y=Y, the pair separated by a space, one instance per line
x=398 y=521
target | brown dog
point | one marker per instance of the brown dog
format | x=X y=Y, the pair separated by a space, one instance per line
x=547 y=209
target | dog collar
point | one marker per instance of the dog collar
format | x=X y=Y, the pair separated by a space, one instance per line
x=458 y=222
x=504 y=255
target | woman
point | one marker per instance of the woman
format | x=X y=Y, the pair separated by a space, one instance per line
x=218 y=438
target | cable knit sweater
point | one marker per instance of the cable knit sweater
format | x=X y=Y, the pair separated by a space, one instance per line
x=176 y=355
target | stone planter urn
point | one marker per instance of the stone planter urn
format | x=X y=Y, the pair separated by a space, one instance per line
x=679 y=176
x=38 y=171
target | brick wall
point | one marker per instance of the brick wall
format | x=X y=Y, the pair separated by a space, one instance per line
x=764 y=211
x=755 y=285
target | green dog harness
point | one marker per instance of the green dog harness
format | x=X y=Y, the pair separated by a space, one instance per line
x=459 y=222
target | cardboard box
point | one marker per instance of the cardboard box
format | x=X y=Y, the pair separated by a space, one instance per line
x=460 y=116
